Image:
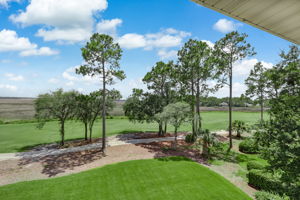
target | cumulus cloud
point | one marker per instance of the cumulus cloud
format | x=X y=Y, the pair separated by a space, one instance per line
x=4 y=3
x=209 y=43
x=108 y=26
x=71 y=76
x=53 y=80
x=237 y=90
x=65 y=20
x=14 y=77
x=164 y=54
x=8 y=87
x=10 y=41
x=225 y=26
x=43 y=51
x=163 y=39
x=132 y=41
x=242 y=68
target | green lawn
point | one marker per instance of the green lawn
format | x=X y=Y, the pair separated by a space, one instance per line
x=169 y=178
x=17 y=137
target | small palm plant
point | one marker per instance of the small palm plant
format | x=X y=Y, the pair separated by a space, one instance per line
x=239 y=127
x=208 y=140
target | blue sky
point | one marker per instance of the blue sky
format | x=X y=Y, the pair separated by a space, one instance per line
x=40 y=41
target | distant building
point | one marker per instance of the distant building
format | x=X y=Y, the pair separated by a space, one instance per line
x=223 y=104
x=248 y=105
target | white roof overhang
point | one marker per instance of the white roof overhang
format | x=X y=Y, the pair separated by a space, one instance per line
x=278 y=17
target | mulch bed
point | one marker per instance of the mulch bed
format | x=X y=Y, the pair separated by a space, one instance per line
x=164 y=149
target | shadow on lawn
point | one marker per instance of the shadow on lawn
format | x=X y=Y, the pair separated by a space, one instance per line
x=53 y=165
x=183 y=150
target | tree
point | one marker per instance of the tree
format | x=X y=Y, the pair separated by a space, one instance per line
x=83 y=111
x=102 y=56
x=176 y=114
x=239 y=127
x=197 y=65
x=231 y=48
x=257 y=85
x=89 y=107
x=159 y=81
x=280 y=140
x=58 y=105
x=143 y=107
x=208 y=140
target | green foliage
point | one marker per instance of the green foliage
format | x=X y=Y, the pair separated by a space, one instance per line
x=175 y=114
x=280 y=138
x=56 y=105
x=263 y=195
x=102 y=57
x=208 y=140
x=256 y=165
x=265 y=181
x=239 y=127
x=257 y=84
x=190 y=138
x=248 y=145
x=1 y=122
x=231 y=48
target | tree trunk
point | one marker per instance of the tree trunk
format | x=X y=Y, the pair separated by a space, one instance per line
x=160 y=129
x=165 y=130
x=238 y=134
x=198 y=106
x=103 y=110
x=175 y=134
x=205 y=149
x=91 y=132
x=193 y=109
x=230 y=107
x=85 y=131
x=261 y=108
x=62 y=132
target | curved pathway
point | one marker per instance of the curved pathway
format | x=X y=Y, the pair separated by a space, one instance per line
x=111 y=141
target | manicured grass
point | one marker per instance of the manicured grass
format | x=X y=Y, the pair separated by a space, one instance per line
x=18 y=137
x=168 y=178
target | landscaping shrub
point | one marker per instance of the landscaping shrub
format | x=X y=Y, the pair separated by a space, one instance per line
x=190 y=138
x=265 y=181
x=1 y=122
x=263 y=195
x=255 y=165
x=248 y=146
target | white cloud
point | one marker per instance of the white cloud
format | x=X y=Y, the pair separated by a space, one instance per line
x=5 y=61
x=130 y=84
x=209 y=43
x=132 y=40
x=10 y=41
x=66 y=20
x=237 y=89
x=108 y=26
x=71 y=76
x=43 y=51
x=8 y=87
x=53 y=80
x=225 y=26
x=243 y=68
x=14 y=77
x=70 y=83
x=164 y=54
x=164 y=39
x=4 y=3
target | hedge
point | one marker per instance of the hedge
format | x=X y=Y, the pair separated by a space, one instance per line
x=248 y=146
x=265 y=181
x=255 y=165
x=263 y=195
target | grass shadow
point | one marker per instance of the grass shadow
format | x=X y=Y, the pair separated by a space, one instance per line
x=174 y=158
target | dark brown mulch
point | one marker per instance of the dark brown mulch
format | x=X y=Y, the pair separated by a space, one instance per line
x=56 y=164
x=163 y=149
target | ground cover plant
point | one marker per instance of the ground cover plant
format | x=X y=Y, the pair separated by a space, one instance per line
x=19 y=137
x=163 y=178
